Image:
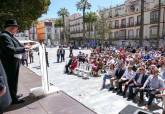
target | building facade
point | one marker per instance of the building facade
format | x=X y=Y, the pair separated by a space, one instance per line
x=46 y=29
x=125 y=22
x=76 y=31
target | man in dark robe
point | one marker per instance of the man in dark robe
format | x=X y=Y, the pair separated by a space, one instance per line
x=11 y=56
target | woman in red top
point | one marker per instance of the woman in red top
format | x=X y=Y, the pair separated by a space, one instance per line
x=73 y=64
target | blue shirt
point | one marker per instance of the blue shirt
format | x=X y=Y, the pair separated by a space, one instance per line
x=154 y=82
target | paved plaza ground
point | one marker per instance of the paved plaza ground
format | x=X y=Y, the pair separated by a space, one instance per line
x=85 y=91
x=56 y=103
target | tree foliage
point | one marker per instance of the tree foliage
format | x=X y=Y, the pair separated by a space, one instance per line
x=102 y=27
x=90 y=19
x=58 y=23
x=24 y=11
x=63 y=12
x=82 y=5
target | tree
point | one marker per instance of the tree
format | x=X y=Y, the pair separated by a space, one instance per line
x=142 y=24
x=63 y=12
x=83 y=5
x=159 y=20
x=102 y=27
x=90 y=19
x=24 y=11
x=59 y=24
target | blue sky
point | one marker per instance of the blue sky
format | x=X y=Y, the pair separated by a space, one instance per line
x=70 y=5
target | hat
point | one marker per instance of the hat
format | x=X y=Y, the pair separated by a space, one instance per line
x=11 y=22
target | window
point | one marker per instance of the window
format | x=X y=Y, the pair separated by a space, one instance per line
x=122 y=34
x=153 y=31
x=48 y=29
x=123 y=23
x=116 y=12
x=116 y=34
x=137 y=33
x=130 y=34
x=138 y=19
x=131 y=21
x=117 y=24
x=110 y=14
x=154 y=17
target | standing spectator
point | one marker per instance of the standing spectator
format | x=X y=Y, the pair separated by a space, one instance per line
x=71 y=51
x=5 y=98
x=31 y=56
x=62 y=52
x=25 y=58
x=58 y=55
x=12 y=51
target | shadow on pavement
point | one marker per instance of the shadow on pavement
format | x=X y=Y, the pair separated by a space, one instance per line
x=28 y=100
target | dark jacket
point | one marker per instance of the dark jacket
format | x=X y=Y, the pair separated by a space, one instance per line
x=62 y=51
x=119 y=73
x=11 y=51
x=5 y=100
x=9 y=46
x=145 y=77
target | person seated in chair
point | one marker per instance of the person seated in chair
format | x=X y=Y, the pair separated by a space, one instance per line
x=73 y=65
x=155 y=83
x=95 y=67
x=137 y=82
x=110 y=72
x=68 y=65
x=115 y=79
x=128 y=75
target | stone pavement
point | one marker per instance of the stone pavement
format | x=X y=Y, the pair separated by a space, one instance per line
x=57 y=103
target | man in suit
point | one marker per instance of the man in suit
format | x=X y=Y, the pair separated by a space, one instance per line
x=62 y=52
x=58 y=54
x=5 y=98
x=137 y=82
x=114 y=81
x=11 y=56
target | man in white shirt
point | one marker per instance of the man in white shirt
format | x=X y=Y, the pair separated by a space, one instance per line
x=128 y=74
x=152 y=86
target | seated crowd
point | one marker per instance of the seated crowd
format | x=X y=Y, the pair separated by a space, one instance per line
x=129 y=71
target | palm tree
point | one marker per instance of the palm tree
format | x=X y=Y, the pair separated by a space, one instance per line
x=159 y=19
x=59 y=24
x=90 y=19
x=63 y=12
x=142 y=24
x=82 y=5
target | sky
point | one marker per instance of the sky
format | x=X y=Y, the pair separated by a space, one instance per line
x=70 y=5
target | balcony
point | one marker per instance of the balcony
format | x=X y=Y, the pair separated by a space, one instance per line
x=154 y=21
x=137 y=23
x=116 y=27
x=120 y=38
x=123 y=26
x=74 y=32
x=130 y=24
x=153 y=36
